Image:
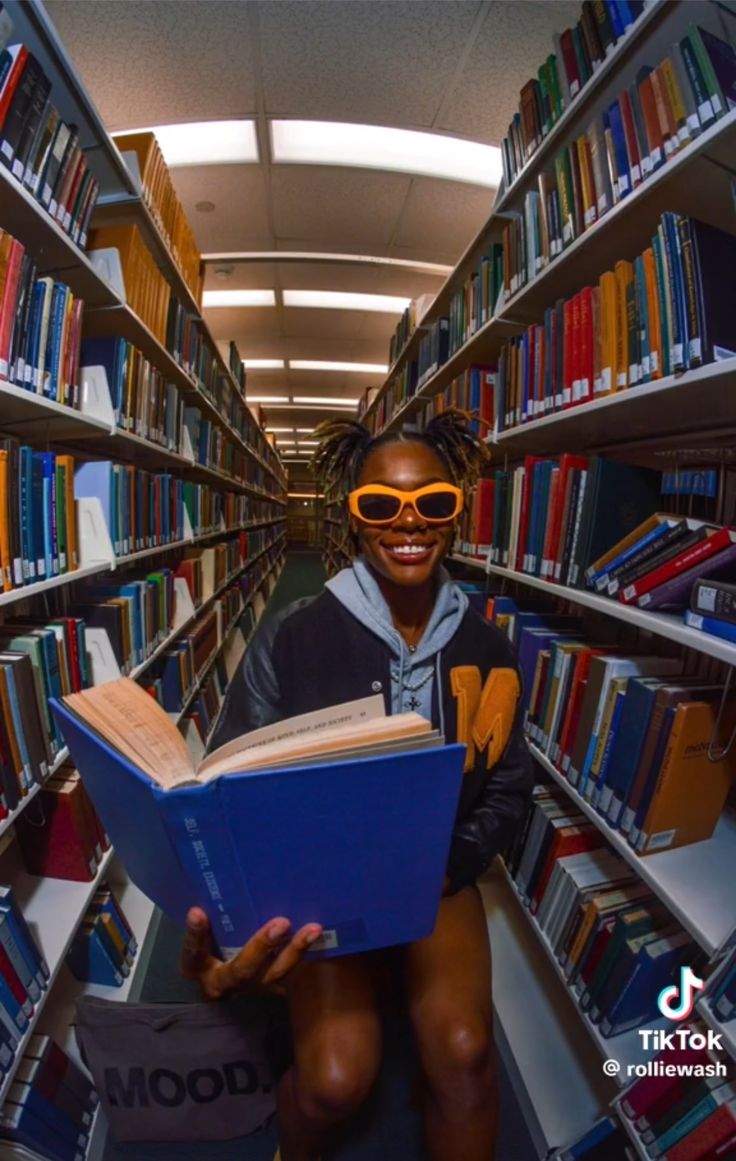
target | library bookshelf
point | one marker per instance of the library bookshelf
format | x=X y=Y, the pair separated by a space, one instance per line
x=55 y=908
x=688 y=417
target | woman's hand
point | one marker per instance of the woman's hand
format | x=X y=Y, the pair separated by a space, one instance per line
x=265 y=961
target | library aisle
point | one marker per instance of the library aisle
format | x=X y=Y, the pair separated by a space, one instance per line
x=388 y=1126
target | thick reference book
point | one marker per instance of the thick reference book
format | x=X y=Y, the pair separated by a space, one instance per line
x=341 y=817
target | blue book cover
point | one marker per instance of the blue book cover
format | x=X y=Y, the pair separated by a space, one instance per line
x=55 y=341
x=36 y=521
x=20 y=1124
x=642 y=314
x=372 y=878
x=599 y=580
x=22 y=933
x=47 y=462
x=50 y=1114
x=616 y=18
x=34 y=334
x=627 y=746
x=653 y=969
x=616 y=126
x=90 y=961
x=723 y=629
x=675 y=290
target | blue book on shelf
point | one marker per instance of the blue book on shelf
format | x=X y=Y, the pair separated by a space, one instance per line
x=723 y=629
x=90 y=960
x=315 y=843
x=110 y=353
x=600 y=579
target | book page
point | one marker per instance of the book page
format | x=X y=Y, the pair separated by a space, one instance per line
x=334 y=741
x=364 y=709
x=135 y=725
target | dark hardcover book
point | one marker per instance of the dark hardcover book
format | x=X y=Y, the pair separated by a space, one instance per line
x=605 y=25
x=33 y=121
x=618 y=497
x=714 y=598
x=687 y=536
x=41 y=149
x=19 y=110
x=723 y=62
x=714 y=253
x=54 y=158
x=19 y=337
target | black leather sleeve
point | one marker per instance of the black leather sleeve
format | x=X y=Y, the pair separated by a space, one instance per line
x=492 y=821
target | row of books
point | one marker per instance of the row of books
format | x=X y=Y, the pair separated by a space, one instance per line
x=204 y=710
x=583 y=520
x=104 y=946
x=60 y=833
x=631 y=733
x=639 y=132
x=407 y=324
x=685 y=1109
x=161 y=198
x=146 y=510
x=606 y=1140
x=43 y=153
x=615 y=942
x=667 y=311
x=175 y=676
x=51 y=1104
x=147 y=292
x=579 y=52
x=474 y=303
x=38 y=530
x=236 y=365
x=40 y=327
x=24 y=976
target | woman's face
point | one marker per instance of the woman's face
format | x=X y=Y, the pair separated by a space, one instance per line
x=406 y=466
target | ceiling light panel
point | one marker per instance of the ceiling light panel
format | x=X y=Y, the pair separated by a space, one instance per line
x=377 y=147
x=267 y=398
x=325 y=400
x=328 y=365
x=205 y=142
x=262 y=364
x=345 y=300
x=217 y=298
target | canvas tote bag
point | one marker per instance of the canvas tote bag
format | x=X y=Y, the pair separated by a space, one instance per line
x=180 y=1072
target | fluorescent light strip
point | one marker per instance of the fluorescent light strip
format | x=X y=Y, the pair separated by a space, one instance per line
x=231 y=142
x=378 y=147
x=267 y=399
x=344 y=300
x=327 y=365
x=335 y=406
x=278 y=430
x=263 y=364
x=323 y=258
x=325 y=400
x=219 y=298
x=308 y=442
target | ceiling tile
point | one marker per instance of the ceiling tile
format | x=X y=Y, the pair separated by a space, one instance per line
x=443 y=213
x=161 y=63
x=512 y=43
x=354 y=210
x=239 y=220
x=383 y=62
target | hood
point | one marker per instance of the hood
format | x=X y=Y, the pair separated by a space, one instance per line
x=357 y=589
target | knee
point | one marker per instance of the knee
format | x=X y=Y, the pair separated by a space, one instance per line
x=334 y=1088
x=463 y=1049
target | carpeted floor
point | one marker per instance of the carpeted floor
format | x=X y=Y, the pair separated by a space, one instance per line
x=387 y=1128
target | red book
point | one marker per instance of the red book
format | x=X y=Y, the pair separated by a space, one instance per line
x=575 y=709
x=568 y=368
x=482 y=532
x=711 y=1134
x=632 y=141
x=61 y=847
x=19 y=55
x=559 y=524
x=569 y=61
x=704 y=550
x=487 y=401
x=8 y=302
x=13 y=981
x=585 y=345
x=655 y=138
x=642 y=1098
x=570 y=840
x=553 y=504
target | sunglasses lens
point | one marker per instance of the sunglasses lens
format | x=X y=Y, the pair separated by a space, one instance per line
x=378 y=507
x=437 y=505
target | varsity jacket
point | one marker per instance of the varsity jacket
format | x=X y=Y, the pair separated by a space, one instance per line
x=315 y=653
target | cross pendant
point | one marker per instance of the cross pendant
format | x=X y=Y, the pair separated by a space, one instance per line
x=413 y=703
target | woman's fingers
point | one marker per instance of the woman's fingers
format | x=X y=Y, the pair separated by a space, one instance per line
x=197 y=949
x=289 y=956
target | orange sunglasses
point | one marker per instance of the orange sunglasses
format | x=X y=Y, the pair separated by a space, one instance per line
x=379 y=504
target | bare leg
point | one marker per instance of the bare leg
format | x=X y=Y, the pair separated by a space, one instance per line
x=337 y=1053
x=449 y=990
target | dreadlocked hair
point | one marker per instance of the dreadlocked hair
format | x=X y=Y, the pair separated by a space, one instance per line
x=344 y=445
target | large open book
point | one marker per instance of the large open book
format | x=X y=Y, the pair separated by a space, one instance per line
x=341 y=817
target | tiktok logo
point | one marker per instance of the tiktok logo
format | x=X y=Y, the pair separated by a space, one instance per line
x=685 y=992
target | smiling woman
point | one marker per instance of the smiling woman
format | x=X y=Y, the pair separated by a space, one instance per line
x=395 y=623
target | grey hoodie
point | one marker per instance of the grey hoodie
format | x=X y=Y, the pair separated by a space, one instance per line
x=412 y=674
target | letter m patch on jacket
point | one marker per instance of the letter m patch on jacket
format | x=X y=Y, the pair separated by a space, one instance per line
x=485 y=712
